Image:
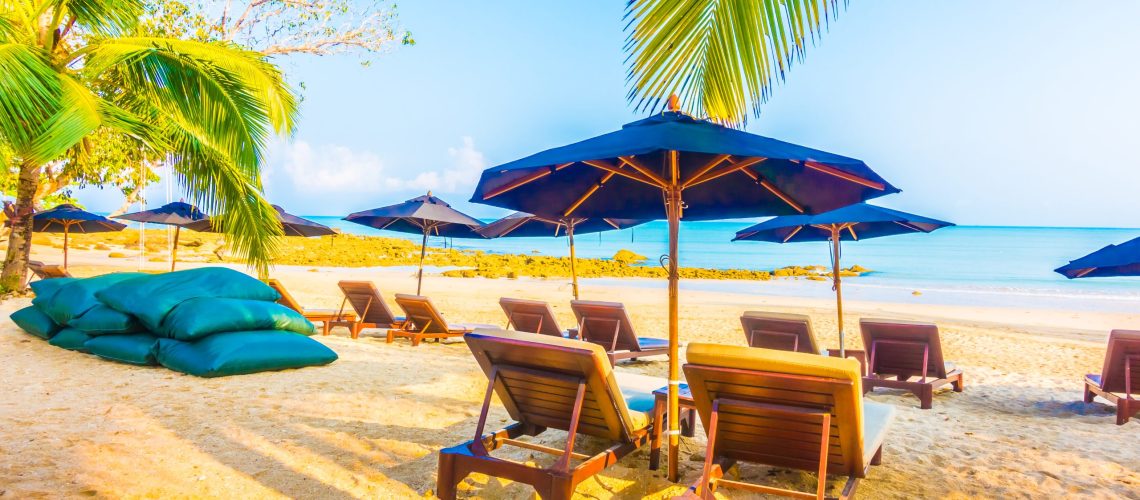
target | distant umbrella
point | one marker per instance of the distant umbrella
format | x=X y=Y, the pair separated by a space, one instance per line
x=68 y=218
x=521 y=224
x=1112 y=260
x=673 y=166
x=426 y=215
x=291 y=225
x=178 y=214
x=854 y=222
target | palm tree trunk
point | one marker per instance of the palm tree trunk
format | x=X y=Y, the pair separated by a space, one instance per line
x=20 y=239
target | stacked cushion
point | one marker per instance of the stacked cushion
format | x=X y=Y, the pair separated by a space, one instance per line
x=208 y=322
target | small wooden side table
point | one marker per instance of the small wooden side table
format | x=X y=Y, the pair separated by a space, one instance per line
x=688 y=423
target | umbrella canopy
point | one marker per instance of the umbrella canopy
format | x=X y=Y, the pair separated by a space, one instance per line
x=521 y=224
x=68 y=218
x=1112 y=260
x=854 y=222
x=290 y=224
x=171 y=214
x=426 y=215
x=674 y=166
x=178 y=214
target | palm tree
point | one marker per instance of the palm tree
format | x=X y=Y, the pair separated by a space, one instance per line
x=720 y=57
x=71 y=69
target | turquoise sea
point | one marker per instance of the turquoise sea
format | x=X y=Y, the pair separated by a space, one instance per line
x=974 y=265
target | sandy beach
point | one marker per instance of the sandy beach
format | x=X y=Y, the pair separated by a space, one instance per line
x=369 y=425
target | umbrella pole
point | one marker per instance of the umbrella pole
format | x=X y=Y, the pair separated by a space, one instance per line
x=573 y=259
x=174 y=250
x=837 y=285
x=423 y=251
x=673 y=213
x=65 y=226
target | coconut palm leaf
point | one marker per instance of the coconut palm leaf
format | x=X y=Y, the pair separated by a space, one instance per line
x=29 y=92
x=102 y=17
x=721 y=57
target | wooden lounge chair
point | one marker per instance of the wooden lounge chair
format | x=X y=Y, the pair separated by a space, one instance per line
x=1120 y=377
x=545 y=382
x=607 y=324
x=534 y=316
x=784 y=332
x=323 y=316
x=425 y=322
x=47 y=271
x=783 y=409
x=371 y=309
x=905 y=349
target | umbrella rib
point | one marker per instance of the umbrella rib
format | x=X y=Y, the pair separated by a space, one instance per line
x=703 y=170
x=774 y=190
x=735 y=167
x=590 y=192
x=843 y=175
x=628 y=160
x=851 y=229
x=912 y=227
x=793 y=233
x=1084 y=272
x=610 y=222
x=531 y=177
x=599 y=164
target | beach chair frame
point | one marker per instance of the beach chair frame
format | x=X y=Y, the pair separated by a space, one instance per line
x=536 y=315
x=1113 y=388
x=47 y=271
x=423 y=321
x=371 y=311
x=776 y=404
x=902 y=355
x=515 y=386
x=323 y=316
x=784 y=332
x=622 y=341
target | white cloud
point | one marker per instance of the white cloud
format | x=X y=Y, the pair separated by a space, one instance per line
x=333 y=167
x=339 y=168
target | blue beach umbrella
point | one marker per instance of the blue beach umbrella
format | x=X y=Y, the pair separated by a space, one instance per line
x=1112 y=260
x=68 y=218
x=673 y=166
x=178 y=214
x=853 y=222
x=521 y=224
x=291 y=225
x=426 y=215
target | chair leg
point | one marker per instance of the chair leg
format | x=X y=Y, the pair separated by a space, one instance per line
x=878 y=458
x=446 y=478
x=415 y=340
x=1089 y=395
x=391 y=336
x=356 y=327
x=959 y=383
x=926 y=395
x=1122 y=413
x=560 y=488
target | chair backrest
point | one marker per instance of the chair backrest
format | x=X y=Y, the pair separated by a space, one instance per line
x=781 y=387
x=534 y=316
x=286 y=298
x=1121 y=359
x=538 y=376
x=422 y=316
x=606 y=324
x=45 y=271
x=366 y=300
x=780 y=331
x=896 y=347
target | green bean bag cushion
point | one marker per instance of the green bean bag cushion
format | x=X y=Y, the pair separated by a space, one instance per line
x=239 y=353
x=201 y=317
x=135 y=348
x=70 y=338
x=45 y=289
x=102 y=320
x=150 y=298
x=35 y=322
x=73 y=299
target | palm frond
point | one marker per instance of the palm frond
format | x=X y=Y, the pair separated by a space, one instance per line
x=102 y=17
x=220 y=104
x=29 y=92
x=721 y=57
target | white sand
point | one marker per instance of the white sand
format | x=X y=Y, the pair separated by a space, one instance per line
x=369 y=425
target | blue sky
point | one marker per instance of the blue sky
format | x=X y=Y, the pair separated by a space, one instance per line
x=997 y=113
